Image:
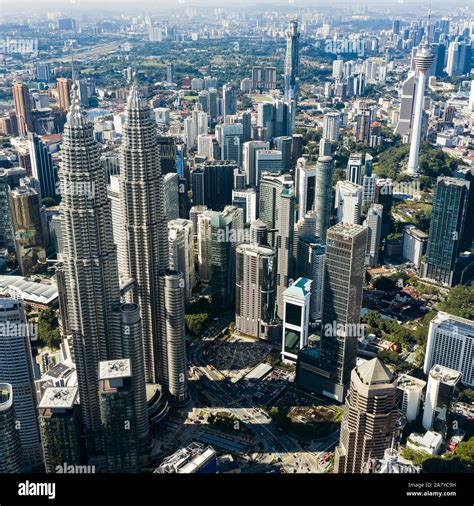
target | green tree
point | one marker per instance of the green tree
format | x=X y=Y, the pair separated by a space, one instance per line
x=48 y=330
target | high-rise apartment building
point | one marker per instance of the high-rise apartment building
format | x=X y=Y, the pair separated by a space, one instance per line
x=255 y=276
x=24 y=115
x=64 y=87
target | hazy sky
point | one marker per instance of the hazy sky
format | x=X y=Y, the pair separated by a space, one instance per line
x=17 y=7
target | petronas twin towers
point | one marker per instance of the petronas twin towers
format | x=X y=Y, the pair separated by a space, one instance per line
x=148 y=325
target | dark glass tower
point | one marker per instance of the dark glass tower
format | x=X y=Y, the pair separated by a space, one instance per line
x=448 y=219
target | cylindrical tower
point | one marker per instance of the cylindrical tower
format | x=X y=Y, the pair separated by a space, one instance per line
x=175 y=337
x=323 y=194
x=10 y=446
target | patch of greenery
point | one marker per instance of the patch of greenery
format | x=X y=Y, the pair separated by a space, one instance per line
x=48 y=328
x=460 y=301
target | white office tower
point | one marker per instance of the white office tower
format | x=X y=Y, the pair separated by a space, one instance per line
x=305 y=186
x=451 y=344
x=204 y=247
x=16 y=368
x=255 y=289
x=439 y=392
x=354 y=169
x=269 y=161
x=202 y=123
x=374 y=226
x=423 y=60
x=414 y=245
x=146 y=247
x=410 y=392
x=249 y=161
x=247 y=201
x=331 y=126
x=171 y=191
x=113 y=193
x=338 y=68
x=162 y=117
x=10 y=444
x=296 y=318
x=181 y=244
x=311 y=261
x=348 y=202
x=89 y=259
x=391 y=464
x=174 y=345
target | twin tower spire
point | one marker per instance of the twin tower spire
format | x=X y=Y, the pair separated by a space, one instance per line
x=105 y=325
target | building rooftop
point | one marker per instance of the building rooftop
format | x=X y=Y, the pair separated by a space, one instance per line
x=374 y=372
x=59 y=397
x=114 y=369
x=445 y=320
x=301 y=288
x=346 y=229
x=445 y=375
x=39 y=292
x=406 y=382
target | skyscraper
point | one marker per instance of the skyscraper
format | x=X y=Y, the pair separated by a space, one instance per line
x=292 y=61
x=277 y=210
x=10 y=445
x=369 y=423
x=323 y=195
x=451 y=344
x=174 y=347
x=6 y=228
x=212 y=184
x=331 y=126
x=42 y=166
x=305 y=186
x=146 y=248
x=249 y=161
x=28 y=229
x=118 y=417
x=255 y=276
x=16 y=368
x=60 y=426
x=423 y=60
x=64 y=87
x=310 y=264
x=439 y=393
x=348 y=202
x=21 y=96
x=181 y=248
x=342 y=300
x=374 y=228
x=89 y=260
x=448 y=219
x=296 y=311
